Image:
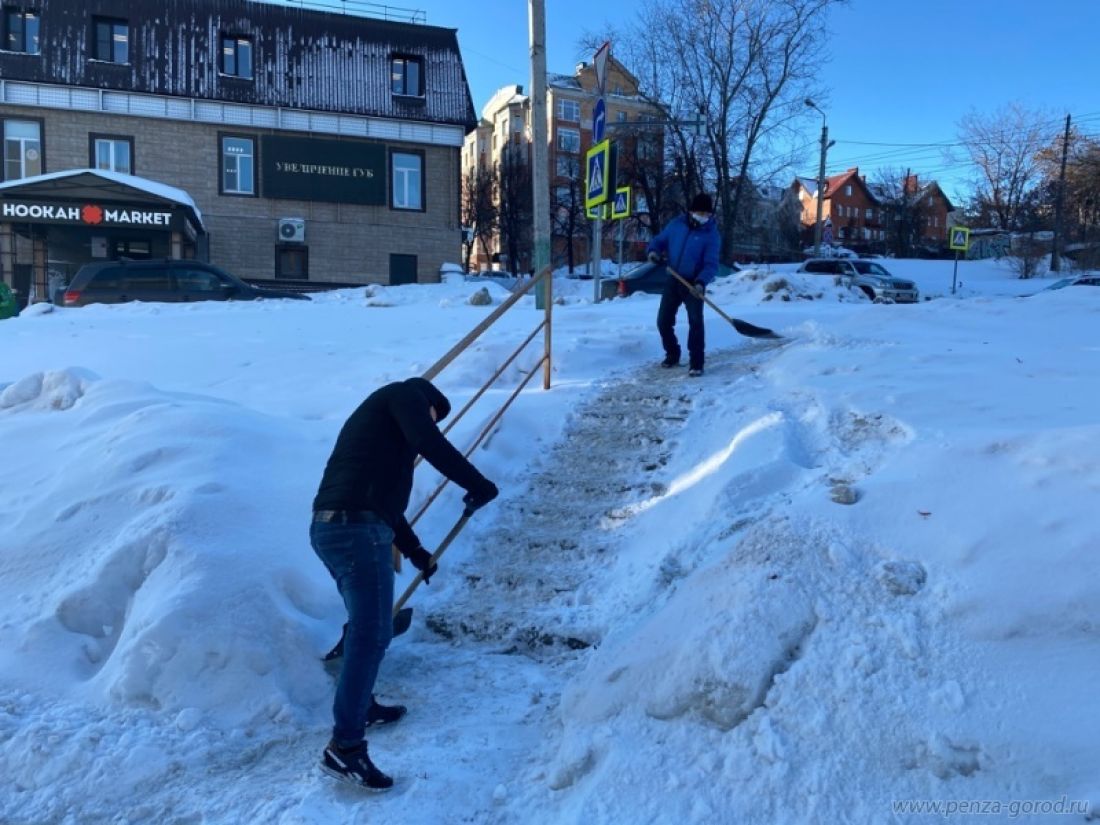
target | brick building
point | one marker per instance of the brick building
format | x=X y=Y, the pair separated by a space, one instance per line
x=309 y=144
x=933 y=209
x=850 y=209
x=505 y=126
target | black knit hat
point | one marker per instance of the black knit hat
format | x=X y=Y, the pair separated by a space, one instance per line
x=433 y=396
x=702 y=203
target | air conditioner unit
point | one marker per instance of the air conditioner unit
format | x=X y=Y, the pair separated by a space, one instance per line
x=292 y=230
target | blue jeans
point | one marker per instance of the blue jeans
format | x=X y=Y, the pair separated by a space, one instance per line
x=358 y=557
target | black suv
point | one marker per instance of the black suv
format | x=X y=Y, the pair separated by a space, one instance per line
x=115 y=282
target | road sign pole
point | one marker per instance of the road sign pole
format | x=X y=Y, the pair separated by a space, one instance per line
x=620 y=248
x=594 y=264
x=955 y=276
x=599 y=119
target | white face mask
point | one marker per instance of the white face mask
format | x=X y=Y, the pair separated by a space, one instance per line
x=700 y=217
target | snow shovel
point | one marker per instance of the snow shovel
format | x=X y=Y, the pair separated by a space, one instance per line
x=402 y=616
x=743 y=327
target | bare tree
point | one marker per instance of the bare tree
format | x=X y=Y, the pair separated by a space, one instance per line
x=567 y=216
x=750 y=65
x=479 y=211
x=1082 y=195
x=905 y=210
x=1004 y=148
x=514 y=217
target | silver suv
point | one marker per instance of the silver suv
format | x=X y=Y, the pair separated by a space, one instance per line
x=870 y=276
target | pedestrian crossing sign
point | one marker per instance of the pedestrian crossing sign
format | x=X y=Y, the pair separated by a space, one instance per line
x=620 y=206
x=960 y=238
x=600 y=211
x=597 y=172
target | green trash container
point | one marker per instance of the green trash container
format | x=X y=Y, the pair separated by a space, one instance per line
x=8 y=307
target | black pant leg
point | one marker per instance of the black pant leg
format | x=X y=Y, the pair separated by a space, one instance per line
x=666 y=319
x=696 y=338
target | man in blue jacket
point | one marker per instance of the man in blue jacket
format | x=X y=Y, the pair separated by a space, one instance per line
x=689 y=245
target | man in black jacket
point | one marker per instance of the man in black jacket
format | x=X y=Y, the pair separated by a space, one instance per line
x=359 y=511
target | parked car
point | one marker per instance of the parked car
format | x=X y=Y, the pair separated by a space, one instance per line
x=8 y=307
x=871 y=277
x=504 y=279
x=116 y=282
x=1085 y=279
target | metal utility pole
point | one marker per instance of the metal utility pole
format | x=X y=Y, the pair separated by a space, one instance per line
x=820 y=177
x=1059 y=240
x=540 y=171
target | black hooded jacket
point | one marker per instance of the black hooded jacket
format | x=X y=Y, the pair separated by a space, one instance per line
x=371 y=466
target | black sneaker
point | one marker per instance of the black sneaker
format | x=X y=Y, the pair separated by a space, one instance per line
x=384 y=714
x=670 y=362
x=695 y=372
x=354 y=766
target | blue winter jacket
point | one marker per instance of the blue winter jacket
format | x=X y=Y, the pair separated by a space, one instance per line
x=693 y=253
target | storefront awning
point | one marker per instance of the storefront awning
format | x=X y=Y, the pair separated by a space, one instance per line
x=95 y=198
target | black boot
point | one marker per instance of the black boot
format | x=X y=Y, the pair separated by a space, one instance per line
x=354 y=765
x=384 y=714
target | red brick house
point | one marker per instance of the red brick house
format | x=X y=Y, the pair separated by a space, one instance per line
x=849 y=205
x=934 y=209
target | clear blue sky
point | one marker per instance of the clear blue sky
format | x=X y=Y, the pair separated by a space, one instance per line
x=899 y=71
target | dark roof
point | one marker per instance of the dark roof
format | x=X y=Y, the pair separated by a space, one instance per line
x=304 y=59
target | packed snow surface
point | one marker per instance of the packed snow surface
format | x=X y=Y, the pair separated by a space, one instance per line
x=845 y=574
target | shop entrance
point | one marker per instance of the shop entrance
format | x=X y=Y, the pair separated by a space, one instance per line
x=51 y=225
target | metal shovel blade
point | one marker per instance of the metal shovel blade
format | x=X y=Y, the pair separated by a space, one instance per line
x=401 y=620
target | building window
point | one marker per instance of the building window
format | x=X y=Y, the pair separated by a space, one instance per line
x=569 y=110
x=621 y=117
x=114 y=153
x=237 y=56
x=407 y=176
x=848 y=189
x=566 y=166
x=517 y=123
x=407 y=76
x=238 y=174
x=869 y=214
x=22 y=149
x=112 y=40
x=20 y=31
x=569 y=140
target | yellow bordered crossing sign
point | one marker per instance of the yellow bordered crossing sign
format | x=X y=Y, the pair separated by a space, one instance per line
x=597 y=166
x=620 y=205
x=602 y=211
x=960 y=238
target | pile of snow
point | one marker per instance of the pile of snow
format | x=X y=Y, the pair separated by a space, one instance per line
x=843 y=571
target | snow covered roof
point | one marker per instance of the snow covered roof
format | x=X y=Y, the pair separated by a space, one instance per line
x=302 y=58
x=809 y=184
x=123 y=185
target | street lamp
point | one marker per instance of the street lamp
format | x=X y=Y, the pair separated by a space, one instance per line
x=825 y=144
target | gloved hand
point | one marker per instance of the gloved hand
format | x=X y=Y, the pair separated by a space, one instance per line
x=654 y=257
x=421 y=559
x=476 y=499
x=700 y=288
